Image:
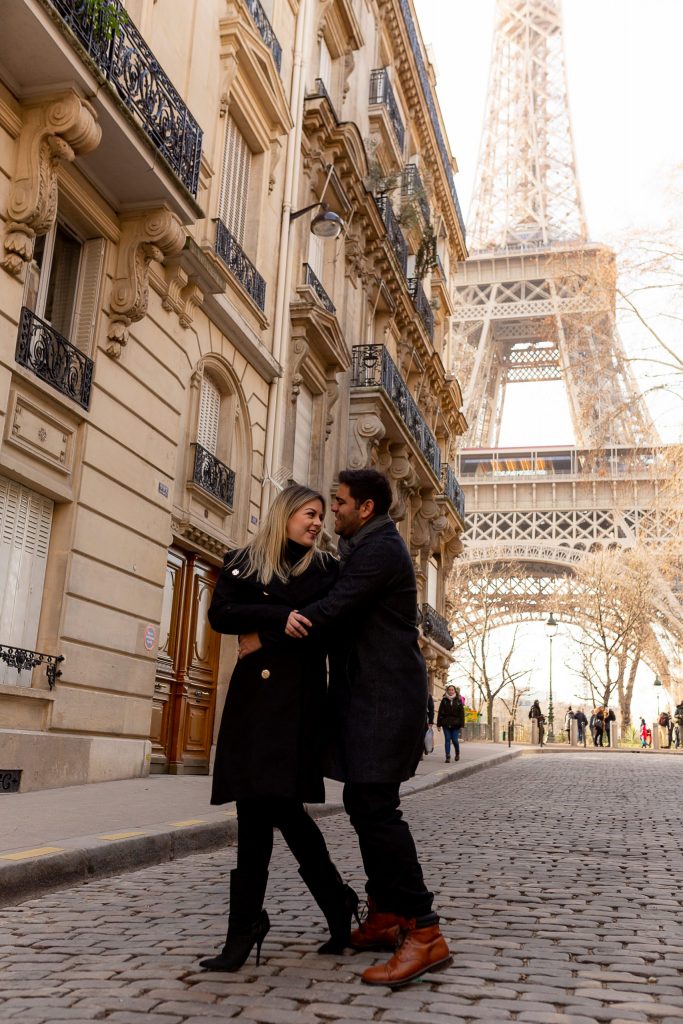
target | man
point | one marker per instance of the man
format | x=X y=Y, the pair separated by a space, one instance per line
x=536 y=714
x=568 y=719
x=378 y=696
x=581 y=722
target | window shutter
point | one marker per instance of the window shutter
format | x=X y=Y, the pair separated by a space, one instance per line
x=302 y=437
x=234 y=192
x=432 y=582
x=325 y=74
x=88 y=295
x=25 y=524
x=209 y=416
x=316 y=255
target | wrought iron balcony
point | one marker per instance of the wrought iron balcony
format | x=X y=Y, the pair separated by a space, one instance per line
x=453 y=491
x=265 y=30
x=135 y=75
x=422 y=306
x=23 y=661
x=436 y=628
x=382 y=92
x=373 y=367
x=411 y=186
x=321 y=91
x=213 y=476
x=322 y=296
x=43 y=351
x=239 y=265
x=398 y=242
x=431 y=106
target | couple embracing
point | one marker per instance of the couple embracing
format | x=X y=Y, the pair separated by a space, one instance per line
x=294 y=607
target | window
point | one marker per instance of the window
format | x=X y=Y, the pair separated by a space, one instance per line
x=25 y=524
x=325 y=73
x=432 y=582
x=316 y=255
x=232 y=201
x=209 y=416
x=63 y=283
x=301 y=463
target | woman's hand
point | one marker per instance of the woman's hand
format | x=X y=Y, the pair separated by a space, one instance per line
x=248 y=643
x=296 y=625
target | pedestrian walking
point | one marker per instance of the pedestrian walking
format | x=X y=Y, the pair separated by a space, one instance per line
x=451 y=718
x=678 y=727
x=581 y=724
x=269 y=752
x=597 y=726
x=377 y=694
x=608 y=718
x=666 y=722
x=568 y=719
x=643 y=733
x=536 y=714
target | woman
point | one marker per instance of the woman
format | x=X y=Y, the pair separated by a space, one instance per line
x=451 y=718
x=268 y=757
x=536 y=713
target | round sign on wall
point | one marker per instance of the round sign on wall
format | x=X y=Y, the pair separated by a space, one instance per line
x=150 y=638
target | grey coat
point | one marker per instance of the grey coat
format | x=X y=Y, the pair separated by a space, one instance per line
x=377 y=694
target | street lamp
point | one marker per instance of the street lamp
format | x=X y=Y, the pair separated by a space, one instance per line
x=657 y=683
x=326 y=224
x=551 y=630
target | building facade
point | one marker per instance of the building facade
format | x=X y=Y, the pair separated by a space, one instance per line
x=176 y=343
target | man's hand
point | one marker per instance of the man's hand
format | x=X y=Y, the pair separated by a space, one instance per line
x=247 y=644
x=296 y=625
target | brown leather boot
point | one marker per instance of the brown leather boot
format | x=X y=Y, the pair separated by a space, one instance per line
x=422 y=950
x=379 y=930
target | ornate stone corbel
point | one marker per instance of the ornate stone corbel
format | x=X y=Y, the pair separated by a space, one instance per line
x=332 y=396
x=144 y=237
x=367 y=430
x=394 y=461
x=191 y=297
x=58 y=129
x=428 y=524
x=299 y=350
x=176 y=280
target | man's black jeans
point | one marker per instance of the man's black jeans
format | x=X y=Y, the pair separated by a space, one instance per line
x=395 y=881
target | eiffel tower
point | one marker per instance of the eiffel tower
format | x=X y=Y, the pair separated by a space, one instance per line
x=536 y=302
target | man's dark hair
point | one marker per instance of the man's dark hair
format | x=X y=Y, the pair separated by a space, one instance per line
x=368 y=484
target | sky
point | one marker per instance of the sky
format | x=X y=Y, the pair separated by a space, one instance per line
x=623 y=64
x=623 y=60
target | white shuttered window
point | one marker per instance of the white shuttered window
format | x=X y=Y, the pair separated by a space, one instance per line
x=232 y=205
x=325 y=67
x=209 y=416
x=25 y=524
x=302 y=437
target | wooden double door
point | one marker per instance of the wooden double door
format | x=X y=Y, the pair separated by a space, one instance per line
x=184 y=701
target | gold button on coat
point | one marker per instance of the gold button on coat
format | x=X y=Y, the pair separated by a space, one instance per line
x=265 y=674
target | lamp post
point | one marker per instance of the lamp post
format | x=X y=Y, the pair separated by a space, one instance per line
x=658 y=683
x=551 y=630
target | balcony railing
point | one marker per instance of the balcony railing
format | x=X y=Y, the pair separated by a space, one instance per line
x=134 y=73
x=453 y=491
x=394 y=233
x=213 y=476
x=421 y=302
x=321 y=91
x=25 y=661
x=312 y=281
x=411 y=186
x=239 y=265
x=436 y=628
x=374 y=367
x=265 y=30
x=43 y=351
x=429 y=98
x=382 y=92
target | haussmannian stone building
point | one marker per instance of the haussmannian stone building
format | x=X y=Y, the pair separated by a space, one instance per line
x=176 y=342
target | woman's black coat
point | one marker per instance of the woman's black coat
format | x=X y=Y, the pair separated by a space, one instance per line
x=269 y=743
x=378 y=679
x=451 y=713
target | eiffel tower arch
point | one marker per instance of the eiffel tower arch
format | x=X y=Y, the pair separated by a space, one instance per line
x=535 y=301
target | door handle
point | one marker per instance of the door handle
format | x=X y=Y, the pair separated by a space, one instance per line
x=158 y=686
x=202 y=693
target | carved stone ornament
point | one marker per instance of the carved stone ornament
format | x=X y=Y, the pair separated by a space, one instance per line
x=366 y=433
x=428 y=523
x=149 y=236
x=394 y=461
x=56 y=129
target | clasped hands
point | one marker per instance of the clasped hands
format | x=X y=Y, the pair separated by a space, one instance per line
x=249 y=643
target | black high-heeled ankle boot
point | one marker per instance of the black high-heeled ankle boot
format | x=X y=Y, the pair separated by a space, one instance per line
x=338 y=902
x=248 y=923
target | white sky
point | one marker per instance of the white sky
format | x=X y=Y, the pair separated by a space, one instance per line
x=624 y=62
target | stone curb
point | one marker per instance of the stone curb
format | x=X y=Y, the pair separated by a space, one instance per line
x=31 y=878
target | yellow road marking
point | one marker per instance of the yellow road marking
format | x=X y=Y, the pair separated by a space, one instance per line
x=190 y=821
x=121 y=835
x=39 y=851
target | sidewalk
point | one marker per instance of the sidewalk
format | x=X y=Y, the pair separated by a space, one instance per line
x=58 y=837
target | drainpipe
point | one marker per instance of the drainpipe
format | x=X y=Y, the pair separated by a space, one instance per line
x=284 y=276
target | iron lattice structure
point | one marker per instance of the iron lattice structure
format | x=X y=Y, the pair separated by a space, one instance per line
x=536 y=302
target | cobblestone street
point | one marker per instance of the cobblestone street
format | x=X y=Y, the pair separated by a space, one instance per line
x=558 y=881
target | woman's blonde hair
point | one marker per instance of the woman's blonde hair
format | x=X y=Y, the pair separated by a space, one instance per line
x=267 y=552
